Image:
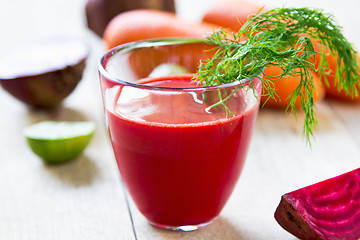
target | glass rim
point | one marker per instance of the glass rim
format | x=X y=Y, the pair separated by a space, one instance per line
x=151 y=43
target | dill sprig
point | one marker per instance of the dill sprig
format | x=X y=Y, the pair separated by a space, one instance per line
x=283 y=37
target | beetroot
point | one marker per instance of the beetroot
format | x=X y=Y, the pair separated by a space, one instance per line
x=100 y=12
x=326 y=210
x=42 y=74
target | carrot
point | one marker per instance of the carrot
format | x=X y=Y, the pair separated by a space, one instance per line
x=186 y=55
x=231 y=14
x=144 y=24
x=331 y=88
x=288 y=84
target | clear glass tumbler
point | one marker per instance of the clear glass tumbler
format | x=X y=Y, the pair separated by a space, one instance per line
x=180 y=147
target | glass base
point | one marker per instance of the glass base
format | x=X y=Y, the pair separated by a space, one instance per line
x=185 y=228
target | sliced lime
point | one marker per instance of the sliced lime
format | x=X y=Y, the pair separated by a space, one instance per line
x=57 y=142
x=168 y=69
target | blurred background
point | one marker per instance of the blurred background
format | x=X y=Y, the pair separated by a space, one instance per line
x=23 y=20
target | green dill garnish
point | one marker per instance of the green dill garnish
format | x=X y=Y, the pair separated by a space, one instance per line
x=283 y=37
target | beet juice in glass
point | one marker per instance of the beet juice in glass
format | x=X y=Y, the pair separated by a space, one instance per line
x=180 y=147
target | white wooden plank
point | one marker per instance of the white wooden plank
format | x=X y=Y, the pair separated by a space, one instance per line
x=82 y=199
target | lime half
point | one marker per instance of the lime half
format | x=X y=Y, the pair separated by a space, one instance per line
x=57 y=142
x=166 y=69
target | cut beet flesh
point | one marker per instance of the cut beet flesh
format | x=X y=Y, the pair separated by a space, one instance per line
x=326 y=210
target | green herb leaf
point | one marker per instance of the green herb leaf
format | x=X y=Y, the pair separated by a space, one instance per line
x=283 y=37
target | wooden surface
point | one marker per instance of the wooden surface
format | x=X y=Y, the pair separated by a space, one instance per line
x=84 y=199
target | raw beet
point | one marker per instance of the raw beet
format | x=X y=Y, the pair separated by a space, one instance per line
x=43 y=74
x=326 y=210
x=100 y=12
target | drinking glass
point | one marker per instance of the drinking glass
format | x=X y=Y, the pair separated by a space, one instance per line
x=180 y=147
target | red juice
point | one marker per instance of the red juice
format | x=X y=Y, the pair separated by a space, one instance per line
x=179 y=160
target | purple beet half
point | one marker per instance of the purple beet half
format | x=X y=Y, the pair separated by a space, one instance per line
x=43 y=74
x=100 y=12
x=326 y=210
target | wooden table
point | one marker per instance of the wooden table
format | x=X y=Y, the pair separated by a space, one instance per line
x=85 y=199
